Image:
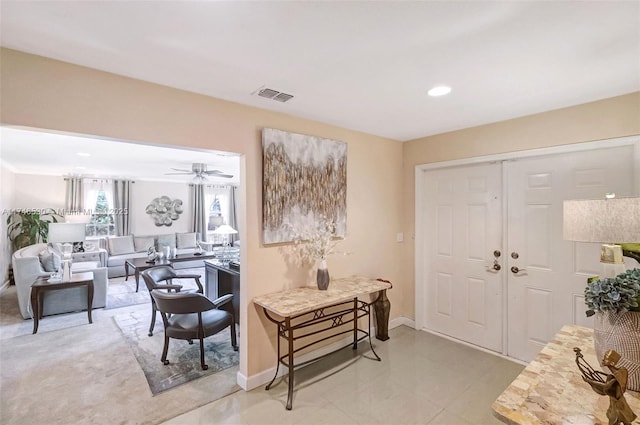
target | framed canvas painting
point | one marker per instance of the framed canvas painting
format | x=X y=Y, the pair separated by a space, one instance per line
x=304 y=183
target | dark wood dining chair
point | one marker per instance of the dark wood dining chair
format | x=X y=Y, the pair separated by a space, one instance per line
x=160 y=278
x=193 y=316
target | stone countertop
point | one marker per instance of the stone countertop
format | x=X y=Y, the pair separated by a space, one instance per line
x=296 y=301
x=550 y=390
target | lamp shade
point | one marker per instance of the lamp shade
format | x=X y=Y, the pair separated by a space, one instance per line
x=607 y=220
x=66 y=232
x=225 y=229
x=77 y=218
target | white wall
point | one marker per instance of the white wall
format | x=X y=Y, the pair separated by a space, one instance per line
x=38 y=191
x=7 y=184
x=143 y=192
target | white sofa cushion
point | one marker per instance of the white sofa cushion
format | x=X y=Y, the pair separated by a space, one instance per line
x=187 y=240
x=143 y=243
x=166 y=240
x=49 y=260
x=119 y=245
x=118 y=260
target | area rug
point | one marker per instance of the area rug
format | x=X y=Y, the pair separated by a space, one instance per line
x=123 y=293
x=184 y=358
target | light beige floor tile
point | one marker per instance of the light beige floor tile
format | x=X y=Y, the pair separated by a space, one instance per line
x=447 y=418
x=475 y=403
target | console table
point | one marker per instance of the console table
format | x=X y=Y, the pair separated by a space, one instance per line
x=308 y=312
x=550 y=390
x=43 y=284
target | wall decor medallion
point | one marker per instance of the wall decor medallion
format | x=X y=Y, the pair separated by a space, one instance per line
x=304 y=182
x=164 y=211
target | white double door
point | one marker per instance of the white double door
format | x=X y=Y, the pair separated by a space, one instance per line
x=496 y=271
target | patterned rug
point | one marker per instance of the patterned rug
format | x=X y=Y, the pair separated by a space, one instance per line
x=184 y=358
x=123 y=293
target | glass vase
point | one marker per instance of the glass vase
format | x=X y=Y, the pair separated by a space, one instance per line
x=322 y=275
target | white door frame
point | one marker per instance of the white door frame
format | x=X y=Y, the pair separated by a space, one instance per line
x=421 y=270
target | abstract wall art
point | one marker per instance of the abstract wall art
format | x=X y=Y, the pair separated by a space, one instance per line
x=304 y=184
x=164 y=210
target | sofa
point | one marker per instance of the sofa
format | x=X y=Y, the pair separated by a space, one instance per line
x=122 y=248
x=30 y=262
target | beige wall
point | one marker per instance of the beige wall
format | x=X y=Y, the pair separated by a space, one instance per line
x=42 y=93
x=601 y=120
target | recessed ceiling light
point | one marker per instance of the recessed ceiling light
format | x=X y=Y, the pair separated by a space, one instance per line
x=439 y=91
x=83 y=154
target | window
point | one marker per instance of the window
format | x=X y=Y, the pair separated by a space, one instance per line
x=217 y=199
x=99 y=202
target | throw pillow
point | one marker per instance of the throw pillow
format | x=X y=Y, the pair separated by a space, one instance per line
x=187 y=240
x=50 y=261
x=78 y=247
x=119 y=245
x=166 y=240
x=142 y=244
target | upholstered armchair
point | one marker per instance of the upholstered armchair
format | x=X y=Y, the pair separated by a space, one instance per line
x=192 y=316
x=160 y=278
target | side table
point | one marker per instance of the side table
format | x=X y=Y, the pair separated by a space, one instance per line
x=42 y=284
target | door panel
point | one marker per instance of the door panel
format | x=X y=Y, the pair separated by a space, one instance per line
x=464 y=217
x=550 y=289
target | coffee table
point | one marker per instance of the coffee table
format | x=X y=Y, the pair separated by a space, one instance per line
x=43 y=284
x=140 y=264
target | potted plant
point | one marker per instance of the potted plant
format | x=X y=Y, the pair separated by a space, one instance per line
x=615 y=302
x=28 y=227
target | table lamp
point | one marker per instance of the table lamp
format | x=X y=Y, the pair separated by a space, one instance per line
x=610 y=221
x=66 y=234
x=225 y=230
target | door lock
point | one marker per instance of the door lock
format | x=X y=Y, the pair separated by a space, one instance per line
x=497 y=253
x=515 y=255
x=516 y=270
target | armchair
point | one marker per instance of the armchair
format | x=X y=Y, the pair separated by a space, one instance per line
x=160 y=278
x=194 y=316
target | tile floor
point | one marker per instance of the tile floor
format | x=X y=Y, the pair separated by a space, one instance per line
x=423 y=379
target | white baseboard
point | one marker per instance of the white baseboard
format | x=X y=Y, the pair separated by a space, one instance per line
x=261 y=378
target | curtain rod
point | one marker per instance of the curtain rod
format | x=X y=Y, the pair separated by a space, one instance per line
x=97 y=180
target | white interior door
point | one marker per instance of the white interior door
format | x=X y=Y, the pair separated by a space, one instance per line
x=463 y=217
x=548 y=290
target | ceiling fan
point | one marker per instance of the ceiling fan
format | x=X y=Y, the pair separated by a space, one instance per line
x=199 y=171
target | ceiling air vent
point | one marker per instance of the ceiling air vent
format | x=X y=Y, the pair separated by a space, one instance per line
x=282 y=97
x=273 y=94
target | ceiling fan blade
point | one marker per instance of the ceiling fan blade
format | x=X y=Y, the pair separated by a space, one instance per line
x=180 y=169
x=178 y=174
x=218 y=173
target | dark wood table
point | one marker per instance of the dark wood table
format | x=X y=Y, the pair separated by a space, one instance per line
x=140 y=264
x=42 y=284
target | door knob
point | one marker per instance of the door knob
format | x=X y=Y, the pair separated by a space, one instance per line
x=515 y=270
x=496 y=267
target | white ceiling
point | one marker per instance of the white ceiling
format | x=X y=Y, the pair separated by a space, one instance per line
x=34 y=152
x=360 y=65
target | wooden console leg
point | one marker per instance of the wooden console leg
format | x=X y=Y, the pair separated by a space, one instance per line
x=382 y=307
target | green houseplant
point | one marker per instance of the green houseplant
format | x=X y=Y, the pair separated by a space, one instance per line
x=29 y=226
x=615 y=305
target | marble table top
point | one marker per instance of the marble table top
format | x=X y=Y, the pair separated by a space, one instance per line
x=550 y=390
x=292 y=302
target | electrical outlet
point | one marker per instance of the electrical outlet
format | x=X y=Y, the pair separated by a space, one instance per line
x=399 y=237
